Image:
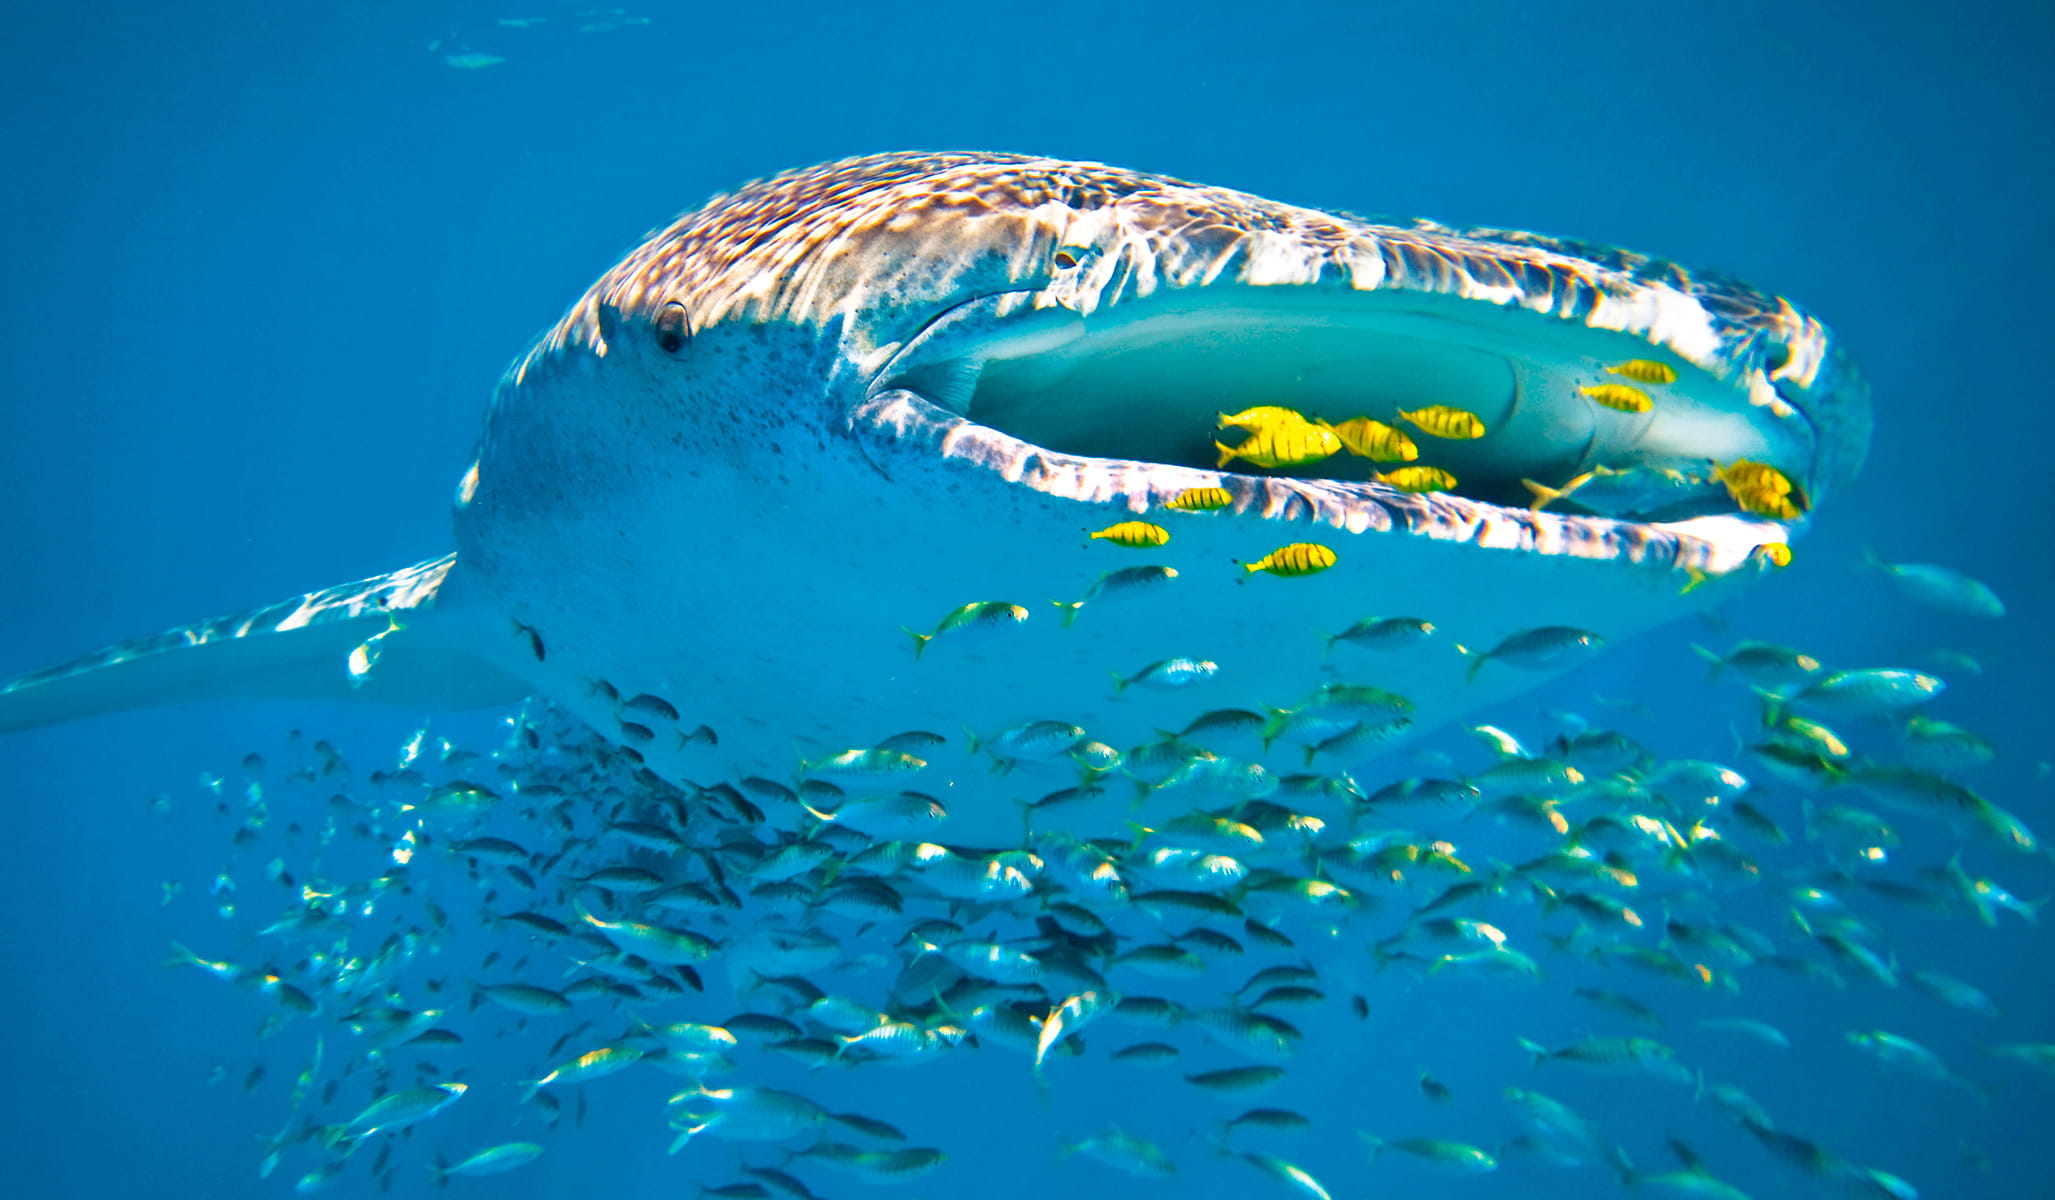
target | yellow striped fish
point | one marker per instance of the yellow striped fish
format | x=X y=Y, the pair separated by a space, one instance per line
x=1204 y=499
x=1644 y=370
x=1299 y=558
x=1375 y=440
x=1262 y=415
x=1135 y=535
x=1761 y=489
x=1417 y=479
x=1282 y=445
x=1620 y=397
x=1439 y=420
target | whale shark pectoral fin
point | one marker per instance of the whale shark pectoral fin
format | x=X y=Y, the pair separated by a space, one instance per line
x=303 y=648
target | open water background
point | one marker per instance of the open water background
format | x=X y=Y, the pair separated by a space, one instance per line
x=260 y=265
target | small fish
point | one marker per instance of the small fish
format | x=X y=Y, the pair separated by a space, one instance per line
x=1261 y=416
x=870 y=763
x=654 y=706
x=523 y=998
x=1547 y=648
x=1433 y=1089
x=1627 y=491
x=472 y=60
x=1904 y=1054
x=535 y=645
x=1417 y=479
x=1135 y=535
x=1237 y=1079
x=1761 y=1031
x=1615 y=1056
x=1439 y=420
x=1554 y=1130
x=1448 y=1156
x=1290 y=1174
x=395 y=1110
x=1223 y=723
x=1939 y=587
x=1146 y=1053
x=1276 y=1120
x=1764 y=664
x=1034 y=741
x=1127 y=581
x=1203 y=499
x=1934 y=745
x=1283 y=445
x=1620 y=397
x=1761 y=489
x=978 y=618
x=1170 y=674
x=1290 y=562
x=914 y=741
x=1122 y=1152
x=1375 y=440
x=1383 y=633
x=1870 y=691
x=1644 y=370
x=594 y=1064
x=490 y=1161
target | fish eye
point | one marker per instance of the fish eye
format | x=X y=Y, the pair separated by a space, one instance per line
x=673 y=330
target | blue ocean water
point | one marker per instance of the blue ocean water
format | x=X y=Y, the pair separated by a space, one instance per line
x=264 y=263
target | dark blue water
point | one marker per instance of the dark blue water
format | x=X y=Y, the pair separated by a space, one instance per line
x=262 y=265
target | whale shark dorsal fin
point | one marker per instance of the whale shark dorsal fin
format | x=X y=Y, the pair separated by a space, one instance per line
x=298 y=649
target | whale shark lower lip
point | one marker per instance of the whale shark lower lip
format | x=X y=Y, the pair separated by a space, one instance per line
x=845 y=402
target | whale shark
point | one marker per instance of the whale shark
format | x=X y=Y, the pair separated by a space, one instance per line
x=899 y=393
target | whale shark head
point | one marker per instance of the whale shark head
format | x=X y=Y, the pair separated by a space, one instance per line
x=854 y=402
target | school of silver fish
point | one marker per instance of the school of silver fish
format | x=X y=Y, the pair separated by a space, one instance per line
x=741 y=936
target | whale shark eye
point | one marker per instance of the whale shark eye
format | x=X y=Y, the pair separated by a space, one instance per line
x=673 y=330
x=1065 y=259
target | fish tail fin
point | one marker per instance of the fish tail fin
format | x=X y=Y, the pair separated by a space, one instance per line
x=1070 y=610
x=531 y=1087
x=1871 y=560
x=920 y=641
x=344 y=643
x=1718 y=664
x=1622 y=1166
x=439 y=1170
x=1226 y=454
x=1543 y=494
x=182 y=957
x=1535 y=1051
x=1376 y=1144
x=1470 y=676
x=1119 y=682
x=337 y=1138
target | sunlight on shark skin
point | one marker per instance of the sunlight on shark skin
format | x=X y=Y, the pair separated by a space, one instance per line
x=848 y=400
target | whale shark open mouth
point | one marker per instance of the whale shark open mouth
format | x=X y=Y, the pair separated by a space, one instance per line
x=1129 y=401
